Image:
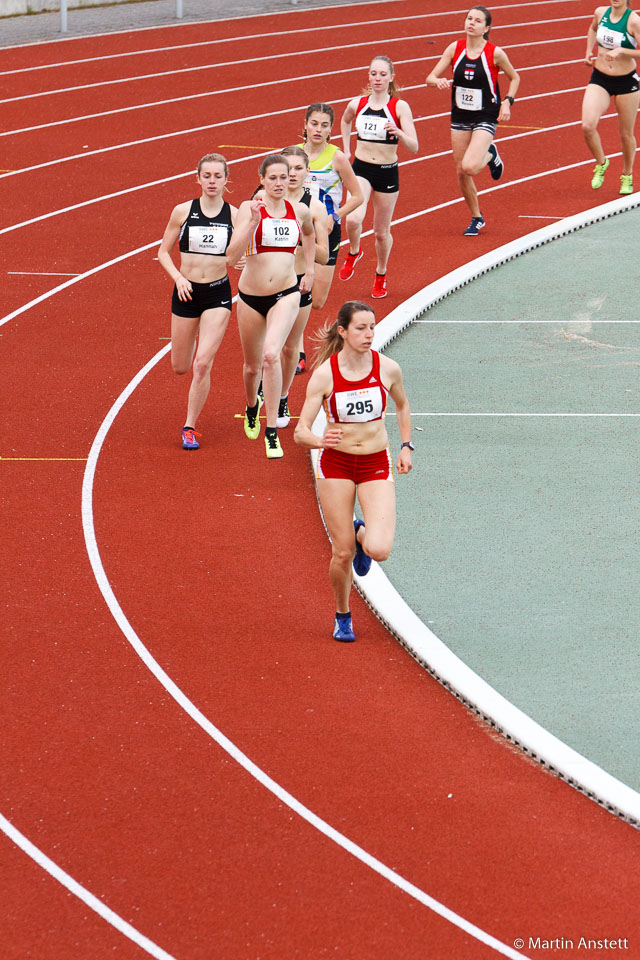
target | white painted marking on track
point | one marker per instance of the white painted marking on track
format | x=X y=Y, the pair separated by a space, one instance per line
x=114 y=919
x=38 y=273
x=393 y=609
x=209 y=93
x=278 y=56
x=279 y=13
x=189 y=173
x=212 y=731
x=218 y=41
x=76 y=279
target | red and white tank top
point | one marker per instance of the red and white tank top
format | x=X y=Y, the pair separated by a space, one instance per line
x=370 y=123
x=275 y=234
x=356 y=401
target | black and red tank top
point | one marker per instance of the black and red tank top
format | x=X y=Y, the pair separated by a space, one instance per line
x=356 y=401
x=475 y=95
x=370 y=123
x=275 y=234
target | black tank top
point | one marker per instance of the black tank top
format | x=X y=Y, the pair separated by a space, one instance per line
x=202 y=234
x=306 y=199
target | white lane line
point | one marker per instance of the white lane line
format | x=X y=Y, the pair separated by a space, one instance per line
x=76 y=279
x=227 y=123
x=208 y=93
x=88 y=898
x=38 y=273
x=269 y=36
x=264 y=58
x=392 y=609
x=279 y=56
x=208 y=727
x=189 y=173
x=280 y=13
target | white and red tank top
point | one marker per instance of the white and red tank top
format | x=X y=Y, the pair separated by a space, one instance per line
x=275 y=234
x=370 y=122
x=356 y=401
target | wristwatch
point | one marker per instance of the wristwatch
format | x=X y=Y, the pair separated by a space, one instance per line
x=510 y=100
x=407 y=443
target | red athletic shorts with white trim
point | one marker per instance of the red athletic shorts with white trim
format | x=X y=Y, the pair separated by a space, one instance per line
x=357 y=467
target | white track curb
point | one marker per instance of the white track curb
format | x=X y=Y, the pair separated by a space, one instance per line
x=551 y=752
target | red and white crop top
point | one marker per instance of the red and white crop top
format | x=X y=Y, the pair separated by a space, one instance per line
x=370 y=123
x=275 y=234
x=356 y=401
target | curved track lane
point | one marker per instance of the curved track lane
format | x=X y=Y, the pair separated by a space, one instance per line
x=104 y=772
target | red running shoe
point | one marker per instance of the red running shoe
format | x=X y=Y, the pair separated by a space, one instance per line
x=379 y=286
x=302 y=364
x=349 y=265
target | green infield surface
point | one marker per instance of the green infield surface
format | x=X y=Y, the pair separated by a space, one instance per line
x=517 y=541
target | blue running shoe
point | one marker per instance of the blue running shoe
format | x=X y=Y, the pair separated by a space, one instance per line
x=189 y=441
x=361 y=562
x=474 y=228
x=496 y=166
x=343 y=629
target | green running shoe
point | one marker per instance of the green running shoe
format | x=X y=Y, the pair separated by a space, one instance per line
x=626 y=183
x=272 y=446
x=598 y=174
x=252 y=423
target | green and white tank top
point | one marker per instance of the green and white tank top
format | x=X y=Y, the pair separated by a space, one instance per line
x=323 y=181
x=611 y=34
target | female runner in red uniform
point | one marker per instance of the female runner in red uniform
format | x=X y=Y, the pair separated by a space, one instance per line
x=201 y=302
x=268 y=230
x=382 y=122
x=352 y=382
x=475 y=105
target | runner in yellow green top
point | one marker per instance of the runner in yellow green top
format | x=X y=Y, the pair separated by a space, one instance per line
x=616 y=30
x=329 y=172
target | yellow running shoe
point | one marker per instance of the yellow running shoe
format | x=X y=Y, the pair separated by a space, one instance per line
x=272 y=446
x=252 y=423
x=626 y=183
x=598 y=174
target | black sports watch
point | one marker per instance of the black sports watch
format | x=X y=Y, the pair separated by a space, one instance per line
x=407 y=443
x=510 y=100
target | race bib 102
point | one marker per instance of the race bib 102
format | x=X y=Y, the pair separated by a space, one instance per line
x=278 y=232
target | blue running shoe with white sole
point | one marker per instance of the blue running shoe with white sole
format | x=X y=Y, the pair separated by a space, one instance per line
x=474 y=228
x=361 y=562
x=343 y=629
x=496 y=166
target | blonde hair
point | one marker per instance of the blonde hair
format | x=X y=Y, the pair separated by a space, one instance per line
x=394 y=89
x=213 y=158
x=328 y=339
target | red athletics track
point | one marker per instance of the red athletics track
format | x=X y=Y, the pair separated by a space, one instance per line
x=219 y=560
